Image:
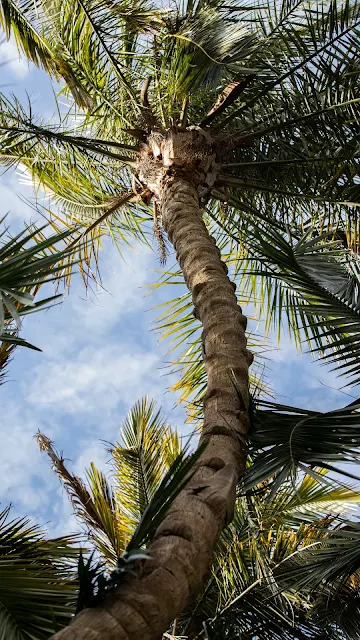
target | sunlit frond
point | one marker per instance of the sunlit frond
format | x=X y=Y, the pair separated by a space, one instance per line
x=146 y=449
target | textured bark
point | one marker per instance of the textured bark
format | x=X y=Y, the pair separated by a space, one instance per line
x=182 y=549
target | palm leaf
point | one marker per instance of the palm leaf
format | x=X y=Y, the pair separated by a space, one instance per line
x=23 y=269
x=94 y=505
x=286 y=439
x=145 y=452
x=314 y=283
x=148 y=450
x=174 y=481
x=6 y=352
x=37 y=584
x=244 y=593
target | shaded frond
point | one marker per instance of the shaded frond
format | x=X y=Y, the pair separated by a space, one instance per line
x=286 y=439
x=314 y=283
x=38 y=588
x=25 y=264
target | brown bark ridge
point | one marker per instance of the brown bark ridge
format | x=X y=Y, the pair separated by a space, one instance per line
x=181 y=551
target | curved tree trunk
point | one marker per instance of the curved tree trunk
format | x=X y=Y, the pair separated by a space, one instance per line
x=181 y=552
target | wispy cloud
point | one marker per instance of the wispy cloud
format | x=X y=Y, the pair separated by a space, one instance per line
x=10 y=58
x=95 y=379
x=99 y=356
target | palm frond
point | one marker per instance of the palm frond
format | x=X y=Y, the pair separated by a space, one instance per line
x=94 y=504
x=38 y=588
x=174 y=481
x=245 y=593
x=15 y=22
x=285 y=439
x=145 y=452
x=314 y=283
x=304 y=43
x=6 y=352
x=334 y=560
x=24 y=266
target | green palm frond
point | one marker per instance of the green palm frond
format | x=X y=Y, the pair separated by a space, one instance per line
x=298 y=43
x=38 y=588
x=148 y=450
x=244 y=593
x=204 y=44
x=85 y=175
x=25 y=264
x=16 y=22
x=95 y=583
x=174 y=481
x=309 y=500
x=334 y=559
x=313 y=282
x=341 y=612
x=97 y=71
x=329 y=572
x=285 y=439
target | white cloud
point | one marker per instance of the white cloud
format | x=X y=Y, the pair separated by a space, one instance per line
x=97 y=318
x=22 y=466
x=121 y=293
x=12 y=204
x=9 y=56
x=94 y=379
x=92 y=451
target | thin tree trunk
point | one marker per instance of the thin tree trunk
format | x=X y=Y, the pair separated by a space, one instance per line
x=181 y=552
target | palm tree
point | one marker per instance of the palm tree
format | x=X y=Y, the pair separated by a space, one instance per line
x=38 y=585
x=253 y=589
x=224 y=116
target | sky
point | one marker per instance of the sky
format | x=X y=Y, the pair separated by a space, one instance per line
x=99 y=355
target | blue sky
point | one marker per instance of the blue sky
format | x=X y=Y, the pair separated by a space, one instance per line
x=99 y=355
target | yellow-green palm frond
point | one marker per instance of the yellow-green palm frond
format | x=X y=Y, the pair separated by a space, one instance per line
x=86 y=47
x=86 y=177
x=146 y=450
x=310 y=499
x=252 y=553
x=150 y=466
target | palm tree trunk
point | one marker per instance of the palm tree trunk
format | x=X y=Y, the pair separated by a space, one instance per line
x=181 y=552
